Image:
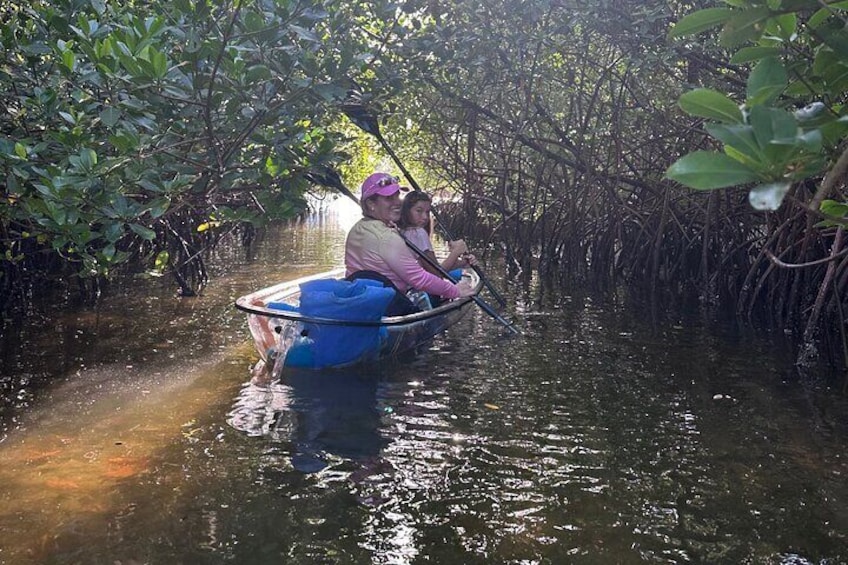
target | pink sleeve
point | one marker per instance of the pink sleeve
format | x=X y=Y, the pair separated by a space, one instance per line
x=403 y=261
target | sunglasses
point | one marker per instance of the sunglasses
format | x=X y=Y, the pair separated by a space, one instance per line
x=386 y=181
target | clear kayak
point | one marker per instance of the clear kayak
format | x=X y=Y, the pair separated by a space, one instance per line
x=286 y=337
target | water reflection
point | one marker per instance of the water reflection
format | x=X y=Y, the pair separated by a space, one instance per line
x=594 y=438
x=323 y=415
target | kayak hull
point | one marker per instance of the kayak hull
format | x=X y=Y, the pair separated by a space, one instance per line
x=279 y=335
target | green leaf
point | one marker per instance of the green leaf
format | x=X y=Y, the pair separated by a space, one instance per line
x=158 y=207
x=706 y=170
x=20 y=150
x=810 y=167
x=120 y=205
x=740 y=137
x=271 y=166
x=109 y=252
x=113 y=232
x=88 y=158
x=812 y=141
x=772 y=124
x=706 y=103
x=161 y=261
x=253 y=22
x=159 y=62
x=833 y=132
x=834 y=209
x=699 y=21
x=257 y=73
x=820 y=16
x=330 y=92
x=44 y=189
x=834 y=37
x=69 y=59
x=110 y=116
x=745 y=159
x=304 y=33
x=747 y=25
x=145 y=233
x=832 y=68
x=766 y=82
x=748 y=54
x=783 y=27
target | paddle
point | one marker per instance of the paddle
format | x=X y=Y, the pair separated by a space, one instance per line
x=367 y=122
x=330 y=178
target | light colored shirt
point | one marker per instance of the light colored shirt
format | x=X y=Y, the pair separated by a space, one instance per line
x=419 y=238
x=371 y=245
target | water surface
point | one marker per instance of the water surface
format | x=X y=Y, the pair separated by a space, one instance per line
x=132 y=433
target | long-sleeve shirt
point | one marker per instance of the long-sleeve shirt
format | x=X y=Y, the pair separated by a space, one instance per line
x=371 y=245
x=419 y=238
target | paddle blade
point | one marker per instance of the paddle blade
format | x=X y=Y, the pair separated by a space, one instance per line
x=330 y=178
x=361 y=117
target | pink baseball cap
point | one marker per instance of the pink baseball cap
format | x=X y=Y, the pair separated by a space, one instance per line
x=382 y=184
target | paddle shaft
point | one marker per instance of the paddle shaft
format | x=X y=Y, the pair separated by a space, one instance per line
x=480 y=302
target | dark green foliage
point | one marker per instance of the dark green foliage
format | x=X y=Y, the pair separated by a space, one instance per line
x=131 y=129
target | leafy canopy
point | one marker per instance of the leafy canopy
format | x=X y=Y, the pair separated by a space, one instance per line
x=127 y=125
x=789 y=125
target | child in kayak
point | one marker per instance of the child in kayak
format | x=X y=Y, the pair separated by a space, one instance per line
x=415 y=227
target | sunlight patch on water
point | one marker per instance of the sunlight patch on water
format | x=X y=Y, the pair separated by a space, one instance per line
x=103 y=431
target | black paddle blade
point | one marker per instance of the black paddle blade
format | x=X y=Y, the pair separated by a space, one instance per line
x=330 y=178
x=361 y=117
x=324 y=177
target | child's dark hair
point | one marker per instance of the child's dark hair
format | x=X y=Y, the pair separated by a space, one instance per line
x=409 y=201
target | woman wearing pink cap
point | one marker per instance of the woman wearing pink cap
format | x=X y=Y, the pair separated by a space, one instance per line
x=374 y=246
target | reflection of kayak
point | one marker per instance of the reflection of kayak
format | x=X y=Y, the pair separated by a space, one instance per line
x=282 y=332
x=319 y=415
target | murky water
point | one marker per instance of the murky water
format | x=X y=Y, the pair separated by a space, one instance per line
x=131 y=434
